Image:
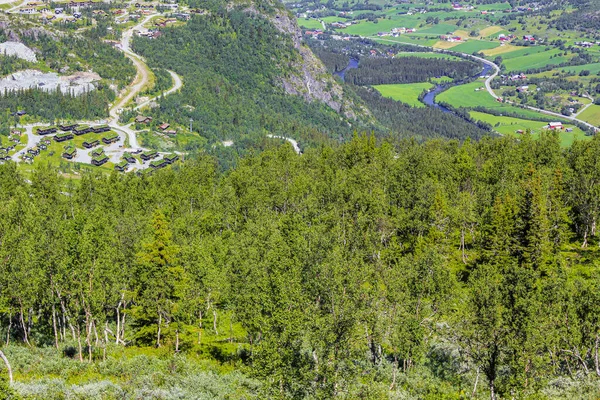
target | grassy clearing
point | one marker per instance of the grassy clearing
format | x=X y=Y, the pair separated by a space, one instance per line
x=441 y=44
x=473 y=46
x=462 y=33
x=510 y=126
x=407 y=93
x=439 y=29
x=490 y=30
x=466 y=96
x=537 y=60
x=500 y=50
x=523 y=51
x=594 y=68
x=591 y=115
x=309 y=23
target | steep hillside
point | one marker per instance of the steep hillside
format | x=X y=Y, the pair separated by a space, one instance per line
x=246 y=75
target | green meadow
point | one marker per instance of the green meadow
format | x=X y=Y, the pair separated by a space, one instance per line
x=407 y=93
x=510 y=126
x=537 y=60
x=475 y=46
x=591 y=115
x=466 y=96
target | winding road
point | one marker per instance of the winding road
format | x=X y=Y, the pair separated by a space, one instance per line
x=488 y=84
x=115 y=151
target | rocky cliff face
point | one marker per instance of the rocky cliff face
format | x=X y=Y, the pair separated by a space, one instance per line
x=311 y=79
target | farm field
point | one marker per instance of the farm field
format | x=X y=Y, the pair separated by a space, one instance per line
x=594 y=68
x=406 y=93
x=421 y=41
x=309 y=23
x=466 y=96
x=500 y=50
x=490 y=30
x=591 y=115
x=472 y=46
x=537 y=60
x=510 y=126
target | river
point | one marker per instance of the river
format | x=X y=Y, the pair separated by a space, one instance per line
x=353 y=63
x=429 y=98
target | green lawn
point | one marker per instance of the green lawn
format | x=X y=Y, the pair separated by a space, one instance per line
x=509 y=126
x=591 y=115
x=473 y=46
x=439 y=29
x=407 y=93
x=309 y=23
x=537 y=60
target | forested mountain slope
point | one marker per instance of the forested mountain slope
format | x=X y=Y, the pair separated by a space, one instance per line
x=242 y=77
x=247 y=73
x=421 y=271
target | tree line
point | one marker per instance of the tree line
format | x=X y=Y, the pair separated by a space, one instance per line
x=359 y=270
x=379 y=71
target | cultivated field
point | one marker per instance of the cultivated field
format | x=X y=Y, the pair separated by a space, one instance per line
x=510 y=126
x=406 y=93
x=591 y=115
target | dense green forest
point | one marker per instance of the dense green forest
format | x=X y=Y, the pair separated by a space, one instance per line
x=427 y=271
x=55 y=105
x=379 y=71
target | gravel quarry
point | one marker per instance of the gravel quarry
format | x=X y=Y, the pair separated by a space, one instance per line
x=17 y=49
x=75 y=84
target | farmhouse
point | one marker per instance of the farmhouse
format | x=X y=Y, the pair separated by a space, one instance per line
x=99 y=160
x=450 y=38
x=88 y=144
x=149 y=155
x=70 y=152
x=61 y=137
x=522 y=89
x=555 y=125
x=529 y=38
x=111 y=138
x=34 y=151
x=66 y=127
x=46 y=131
x=171 y=132
x=164 y=126
x=140 y=119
